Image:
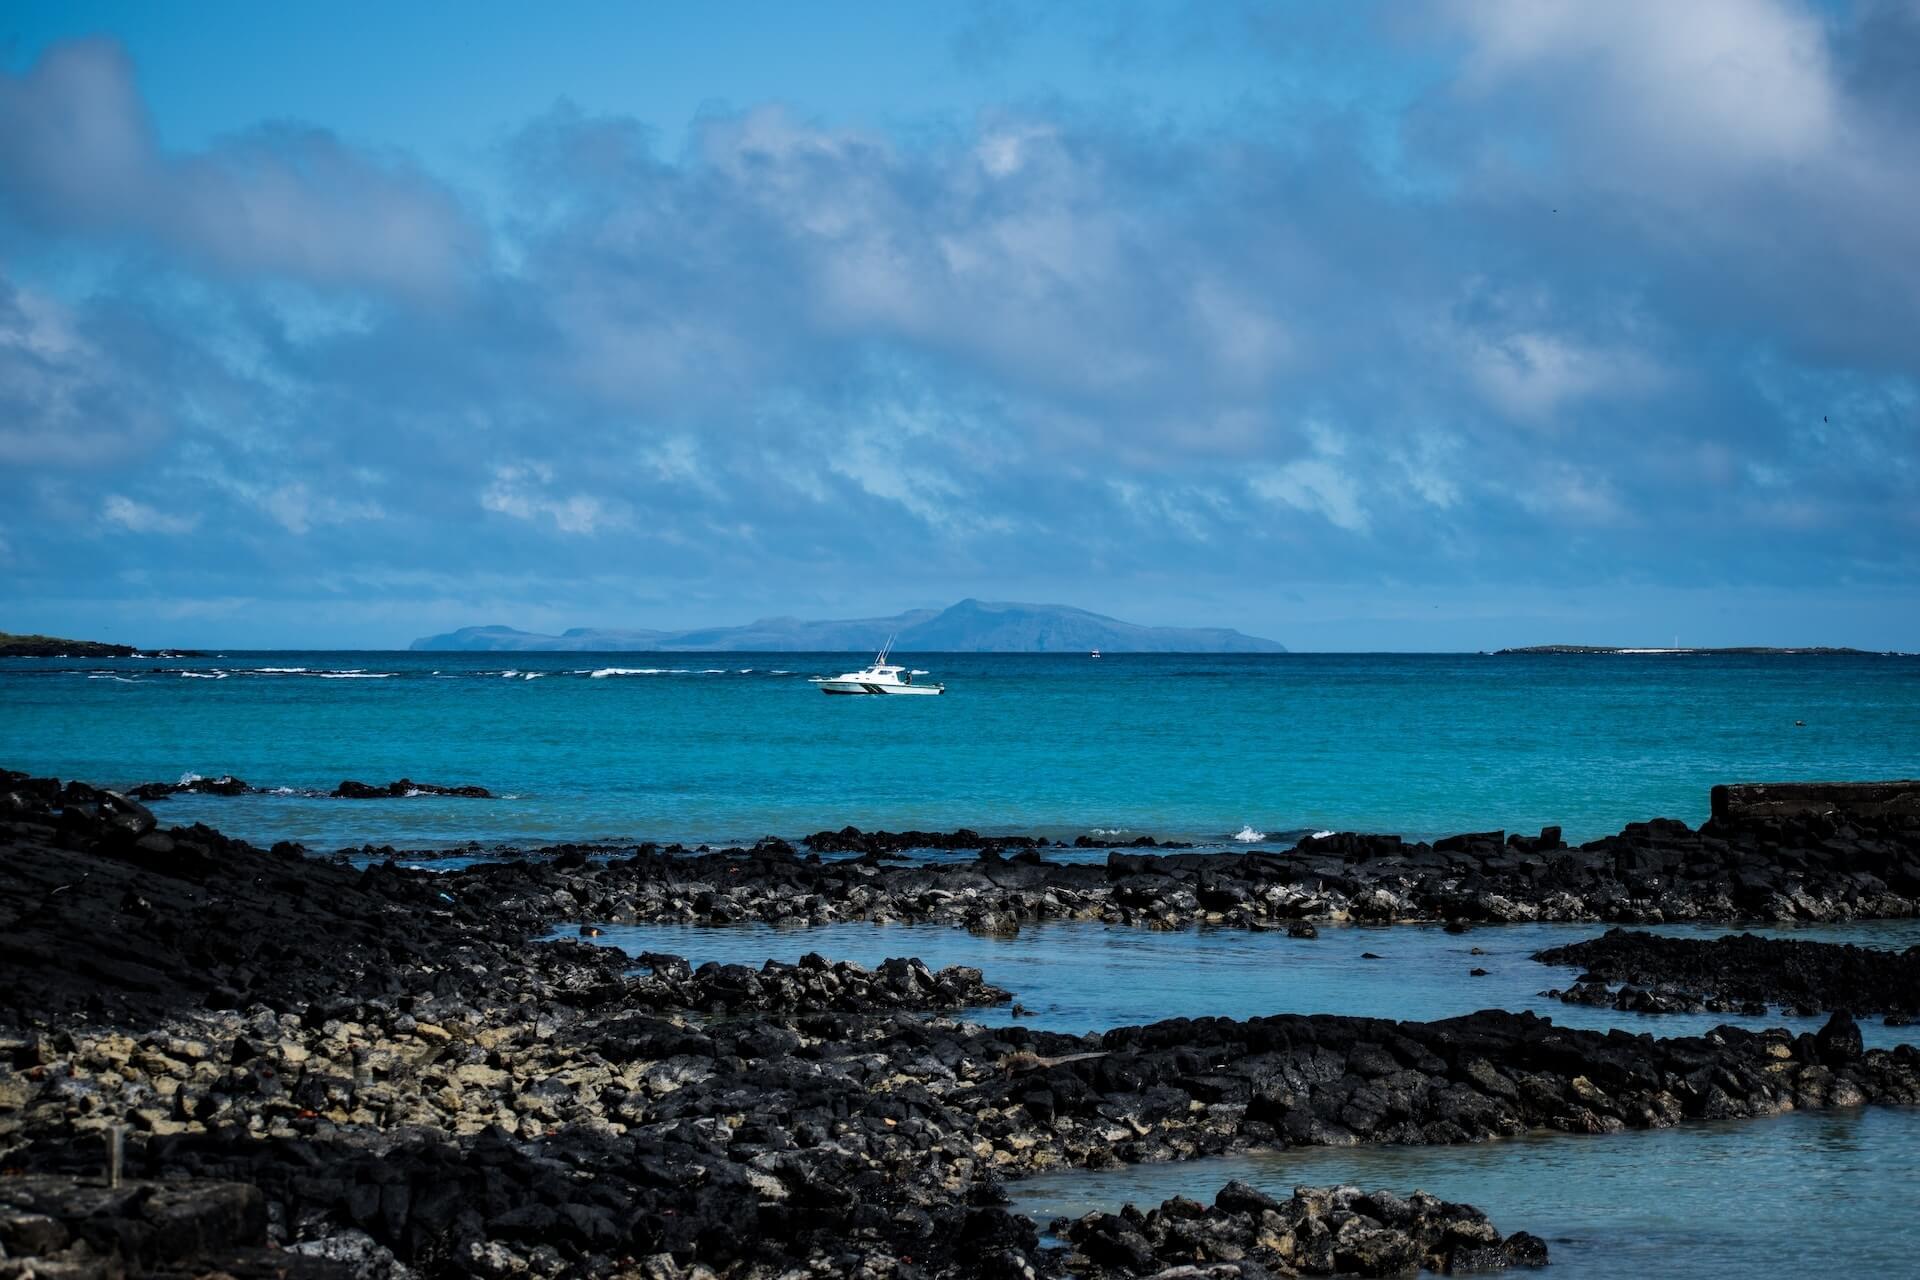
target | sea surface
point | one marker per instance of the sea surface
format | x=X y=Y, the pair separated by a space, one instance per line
x=1222 y=751
x=726 y=747
x=1079 y=977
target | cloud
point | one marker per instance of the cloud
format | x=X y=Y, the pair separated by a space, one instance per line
x=137 y=517
x=64 y=400
x=1558 y=310
x=1719 y=84
x=1530 y=375
x=79 y=157
x=1317 y=483
x=518 y=490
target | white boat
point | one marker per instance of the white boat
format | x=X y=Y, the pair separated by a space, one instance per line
x=1094 y=654
x=878 y=676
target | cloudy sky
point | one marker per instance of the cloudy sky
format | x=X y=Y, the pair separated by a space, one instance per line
x=1408 y=326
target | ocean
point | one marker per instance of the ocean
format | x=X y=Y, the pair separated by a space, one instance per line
x=728 y=747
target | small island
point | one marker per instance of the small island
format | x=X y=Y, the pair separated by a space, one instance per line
x=1809 y=650
x=13 y=646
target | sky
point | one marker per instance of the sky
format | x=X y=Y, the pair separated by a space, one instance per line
x=1407 y=326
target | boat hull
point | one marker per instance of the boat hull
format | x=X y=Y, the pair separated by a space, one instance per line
x=876 y=687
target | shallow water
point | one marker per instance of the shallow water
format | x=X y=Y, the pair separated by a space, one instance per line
x=1829 y=1193
x=1090 y=977
x=725 y=747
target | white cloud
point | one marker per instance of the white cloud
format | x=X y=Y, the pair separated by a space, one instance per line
x=518 y=490
x=1700 y=82
x=1317 y=483
x=1532 y=374
x=297 y=509
x=64 y=402
x=79 y=153
x=137 y=517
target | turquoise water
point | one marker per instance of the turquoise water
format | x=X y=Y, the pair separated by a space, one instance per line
x=1830 y=1193
x=733 y=746
x=1076 y=977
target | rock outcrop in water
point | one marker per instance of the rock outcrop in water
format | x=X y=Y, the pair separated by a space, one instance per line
x=224 y=785
x=406 y=1076
x=1647 y=973
x=1804 y=868
x=1317 y=1231
x=351 y=790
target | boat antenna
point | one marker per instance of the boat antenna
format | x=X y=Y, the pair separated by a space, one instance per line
x=885 y=649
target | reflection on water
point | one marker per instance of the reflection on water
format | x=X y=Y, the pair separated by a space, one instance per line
x=1089 y=977
x=1836 y=1192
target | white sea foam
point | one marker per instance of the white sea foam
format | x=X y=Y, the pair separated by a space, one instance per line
x=604 y=672
x=1321 y=835
x=1247 y=835
x=1106 y=831
x=713 y=671
x=356 y=675
x=281 y=671
x=531 y=675
x=202 y=675
x=107 y=675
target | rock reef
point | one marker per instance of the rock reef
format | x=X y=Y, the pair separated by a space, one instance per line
x=1317 y=1231
x=1644 y=972
x=1799 y=868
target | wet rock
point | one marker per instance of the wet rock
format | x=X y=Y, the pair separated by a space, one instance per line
x=351 y=790
x=224 y=785
x=1316 y=1231
x=1738 y=973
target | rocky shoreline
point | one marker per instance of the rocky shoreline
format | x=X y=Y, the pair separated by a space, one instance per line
x=413 y=1080
x=1646 y=973
x=1315 y=1231
x=1808 y=868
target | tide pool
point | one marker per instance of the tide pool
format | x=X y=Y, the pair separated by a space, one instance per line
x=1090 y=977
x=1817 y=1193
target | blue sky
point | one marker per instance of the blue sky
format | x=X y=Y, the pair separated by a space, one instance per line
x=1408 y=326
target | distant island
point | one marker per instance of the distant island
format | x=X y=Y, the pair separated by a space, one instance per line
x=1753 y=648
x=13 y=646
x=971 y=626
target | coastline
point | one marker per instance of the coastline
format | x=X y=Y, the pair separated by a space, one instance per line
x=395 y=1067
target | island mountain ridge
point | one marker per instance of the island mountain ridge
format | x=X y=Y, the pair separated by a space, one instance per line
x=971 y=626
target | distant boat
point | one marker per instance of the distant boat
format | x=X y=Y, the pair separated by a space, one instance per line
x=878 y=676
x=1094 y=654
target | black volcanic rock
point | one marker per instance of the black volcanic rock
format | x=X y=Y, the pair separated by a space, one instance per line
x=1315 y=1231
x=17 y=646
x=1739 y=972
x=402 y=1070
x=224 y=785
x=351 y=790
